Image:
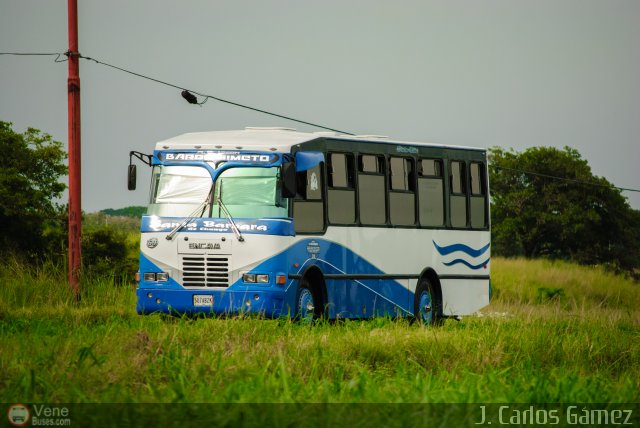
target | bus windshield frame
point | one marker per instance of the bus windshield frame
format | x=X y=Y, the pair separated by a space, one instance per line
x=247 y=192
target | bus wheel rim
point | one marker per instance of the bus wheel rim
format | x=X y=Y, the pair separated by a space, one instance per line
x=425 y=307
x=305 y=303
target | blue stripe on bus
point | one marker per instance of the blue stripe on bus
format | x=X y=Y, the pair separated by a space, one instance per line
x=372 y=296
x=265 y=226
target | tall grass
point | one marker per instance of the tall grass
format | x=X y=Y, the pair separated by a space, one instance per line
x=555 y=332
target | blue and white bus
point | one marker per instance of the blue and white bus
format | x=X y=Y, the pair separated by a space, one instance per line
x=284 y=223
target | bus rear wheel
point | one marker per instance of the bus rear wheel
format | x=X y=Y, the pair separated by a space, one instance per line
x=426 y=306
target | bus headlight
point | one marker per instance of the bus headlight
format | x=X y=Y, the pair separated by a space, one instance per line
x=156 y=276
x=253 y=278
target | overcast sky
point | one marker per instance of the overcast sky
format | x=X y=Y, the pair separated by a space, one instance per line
x=481 y=73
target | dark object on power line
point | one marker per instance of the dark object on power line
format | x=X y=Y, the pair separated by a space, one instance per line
x=191 y=99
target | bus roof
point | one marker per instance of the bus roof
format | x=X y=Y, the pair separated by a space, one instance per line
x=273 y=139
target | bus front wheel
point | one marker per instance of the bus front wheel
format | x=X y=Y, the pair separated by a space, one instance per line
x=306 y=303
x=426 y=306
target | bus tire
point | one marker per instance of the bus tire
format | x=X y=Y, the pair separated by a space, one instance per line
x=307 y=302
x=426 y=304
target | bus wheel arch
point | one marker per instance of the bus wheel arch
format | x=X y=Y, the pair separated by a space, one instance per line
x=312 y=280
x=428 y=294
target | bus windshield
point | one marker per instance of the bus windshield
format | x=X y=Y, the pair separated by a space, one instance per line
x=250 y=192
x=247 y=192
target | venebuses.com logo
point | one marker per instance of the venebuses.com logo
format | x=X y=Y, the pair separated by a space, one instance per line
x=18 y=415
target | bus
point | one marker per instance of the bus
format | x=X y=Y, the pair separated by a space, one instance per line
x=277 y=222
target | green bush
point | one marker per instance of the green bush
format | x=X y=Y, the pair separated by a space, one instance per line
x=105 y=254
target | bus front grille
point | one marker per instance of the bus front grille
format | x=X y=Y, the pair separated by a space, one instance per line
x=205 y=271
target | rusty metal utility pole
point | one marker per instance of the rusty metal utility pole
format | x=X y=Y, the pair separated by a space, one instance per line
x=75 y=207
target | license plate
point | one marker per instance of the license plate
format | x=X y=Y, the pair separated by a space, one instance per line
x=200 y=300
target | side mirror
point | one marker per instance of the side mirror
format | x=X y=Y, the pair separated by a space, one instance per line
x=288 y=174
x=131 y=177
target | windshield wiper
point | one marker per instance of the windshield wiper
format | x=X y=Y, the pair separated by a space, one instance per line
x=233 y=223
x=191 y=216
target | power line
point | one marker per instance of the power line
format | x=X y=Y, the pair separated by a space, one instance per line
x=205 y=96
x=58 y=55
x=213 y=97
x=30 y=53
x=572 y=180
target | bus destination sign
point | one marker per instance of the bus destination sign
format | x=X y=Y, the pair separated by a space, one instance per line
x=260 y=158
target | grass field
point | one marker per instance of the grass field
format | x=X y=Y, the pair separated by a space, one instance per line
x=555 y=332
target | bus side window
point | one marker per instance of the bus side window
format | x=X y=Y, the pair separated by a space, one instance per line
x=431 y=192
x=341 y=196
x=371 y=190
x=478 y=200
x=458 y=195
x=308 y=210
x=402 y=198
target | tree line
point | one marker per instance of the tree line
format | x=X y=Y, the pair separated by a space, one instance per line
x=545 y=202
x=33 y=222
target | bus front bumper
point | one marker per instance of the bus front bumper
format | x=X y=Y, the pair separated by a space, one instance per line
x=268 y=303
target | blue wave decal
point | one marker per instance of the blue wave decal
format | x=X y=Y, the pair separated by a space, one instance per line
x=466 y=263
x=446 y=250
